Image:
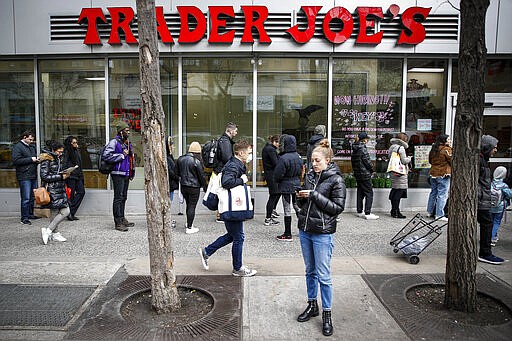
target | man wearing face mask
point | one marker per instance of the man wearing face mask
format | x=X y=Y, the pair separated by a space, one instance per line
x=119 y=151
x=233 y=174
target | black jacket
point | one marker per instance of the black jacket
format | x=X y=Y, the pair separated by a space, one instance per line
x=51 y=166
x=232 y=172
x=270 y=158
x=72 y=158
x=313 y=142
x=361 y=164
x=289 y=166
x=174 y=179
x=191 y=171
x=26 y=169
x=319 y=211
x=224 y=152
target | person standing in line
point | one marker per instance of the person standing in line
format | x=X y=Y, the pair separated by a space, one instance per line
x=363 y=170
x=53 y=177
x=287 y=175
x=488 y=147
x=190 y=170
x=319 y=134
x=440 y=159
x=233 y=175
x=171 y=169
x=119 y=151
x=321 y=200
x=75 y=182
x=399 y=182
x=269 y=157
x=498 y=208
x=24 y=158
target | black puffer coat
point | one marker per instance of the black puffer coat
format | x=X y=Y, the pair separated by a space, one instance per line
x=224 y=152
x=319 y=211
x=51 y=166
x=232 y=172
x=361 y=164
x=270 y=158
x=191 y=171
x=289 y=166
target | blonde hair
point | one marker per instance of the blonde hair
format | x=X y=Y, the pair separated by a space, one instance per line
x=324 y=147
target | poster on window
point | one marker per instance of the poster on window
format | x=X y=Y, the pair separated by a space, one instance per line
x=421 y=156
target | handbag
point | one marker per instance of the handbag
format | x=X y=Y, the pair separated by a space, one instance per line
x=395 y=164
x=235 y=203
x=42 y=212
x=42 y=196
x=210 y=199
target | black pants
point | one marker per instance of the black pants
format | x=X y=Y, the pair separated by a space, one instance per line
x=77 y=194
x=364 y=190
x=120 y=195
x=394 y=196
x=484 y=219
x=272 y=201
x=191 y=196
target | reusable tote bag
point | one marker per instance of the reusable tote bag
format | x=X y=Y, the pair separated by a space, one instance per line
x=210 y=199
x=235 y=204
x=395 y=164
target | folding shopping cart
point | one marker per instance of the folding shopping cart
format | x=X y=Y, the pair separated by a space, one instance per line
x=416 y=236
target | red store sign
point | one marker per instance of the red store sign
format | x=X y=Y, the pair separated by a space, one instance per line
x=413 y=32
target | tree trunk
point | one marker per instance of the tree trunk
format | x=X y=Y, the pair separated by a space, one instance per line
x=156 y=184
x=461 y=259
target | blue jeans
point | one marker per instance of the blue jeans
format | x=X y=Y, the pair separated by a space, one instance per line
x=317 y=253
x=27 y=197
x=496 y=222
x=235 y=235
x=439 y=188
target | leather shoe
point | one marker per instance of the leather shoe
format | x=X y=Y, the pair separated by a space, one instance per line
x=327 y=328
x=33 y=217
x=75 y=218
x=311 y=311
x=125 y=222
x=121 y=227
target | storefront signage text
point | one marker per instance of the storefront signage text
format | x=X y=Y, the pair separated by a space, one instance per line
x=193 y=26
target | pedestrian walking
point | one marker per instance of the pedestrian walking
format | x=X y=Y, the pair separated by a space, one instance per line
x=440 y=158
x=190 y=170
x=119 y=151
x=363 y=171
x=24 y=158
x=53 y=177
x=321 y=200
x=319 y=134
x=171 y=170
x=488 y=147
x=269 y=158
x=233 y=174
x=500 y=199
x=75 y=182
x=399 y=182
x=287 y=175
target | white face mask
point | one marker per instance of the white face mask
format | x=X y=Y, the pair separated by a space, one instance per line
x=249 y=158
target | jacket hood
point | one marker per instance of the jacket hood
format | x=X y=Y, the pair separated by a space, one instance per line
x=289 y=144
x=500 y=173
x=399 y=142
x=315 y=138
x=487 y=144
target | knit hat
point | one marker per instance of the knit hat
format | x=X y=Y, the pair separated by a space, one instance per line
x=195 y=147
x=487 y=144
x=363 y=136
x=320 y=129
x=500 y=173
x=121 y=125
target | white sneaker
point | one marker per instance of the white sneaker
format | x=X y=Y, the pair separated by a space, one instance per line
x=45 y=233
x=371 y=216
x=57 y=237
x=360 y=215
x=190 y=230
x=442 y=219
x=244 y=272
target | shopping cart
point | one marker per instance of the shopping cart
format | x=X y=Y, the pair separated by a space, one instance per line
x=416 y=236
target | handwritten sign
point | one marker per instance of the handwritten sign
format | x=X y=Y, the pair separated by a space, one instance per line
x=421 y=156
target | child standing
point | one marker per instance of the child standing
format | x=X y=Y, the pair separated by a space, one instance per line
x=500 y=199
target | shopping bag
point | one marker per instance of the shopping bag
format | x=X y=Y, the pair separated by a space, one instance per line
x=42 y=212
x=42 y=196
x=395 y=164
x=210 y=199
x=235 y=204
x=68 y=191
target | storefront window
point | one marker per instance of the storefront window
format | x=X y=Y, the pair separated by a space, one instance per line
x=501 y=128
x=72 y=97
x=292 y=99
x=17 y=110
x=497 y=76
x=366 y=97
x=169 y=87
x=425 y=113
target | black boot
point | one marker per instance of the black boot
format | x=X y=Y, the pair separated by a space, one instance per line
x=400 y=215
x=288 y=226
x=393 y=213
x=311 y=311
x=326 y=323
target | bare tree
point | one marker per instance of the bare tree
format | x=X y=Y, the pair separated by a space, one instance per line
x=462 y=247
x=156 y=186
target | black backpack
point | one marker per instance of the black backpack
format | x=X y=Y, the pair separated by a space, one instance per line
x=104 y=167
x=209 y=153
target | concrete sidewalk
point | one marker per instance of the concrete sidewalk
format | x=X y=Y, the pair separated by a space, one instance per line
x=272 y=300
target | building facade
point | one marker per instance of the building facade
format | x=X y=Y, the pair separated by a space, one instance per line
x=273 y=67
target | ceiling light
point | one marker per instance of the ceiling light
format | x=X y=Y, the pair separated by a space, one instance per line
x=95 y=78
x=426 y=69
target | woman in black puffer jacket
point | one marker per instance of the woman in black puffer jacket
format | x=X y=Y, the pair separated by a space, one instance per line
x=321 y=201
x=54 y=179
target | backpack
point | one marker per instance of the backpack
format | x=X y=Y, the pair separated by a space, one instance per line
x=104 y=167
x=496 y=196
x=209 y=153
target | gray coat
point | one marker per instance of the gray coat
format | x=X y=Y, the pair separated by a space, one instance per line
x=487 y=144
x=399 y=146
